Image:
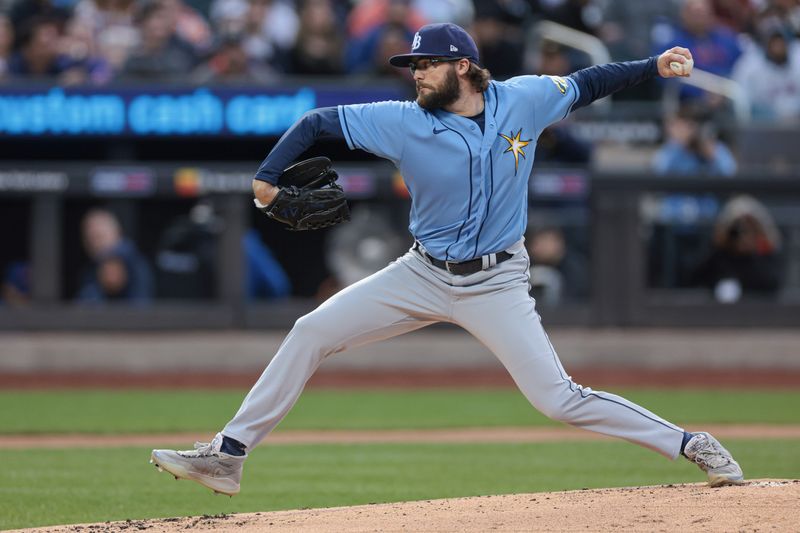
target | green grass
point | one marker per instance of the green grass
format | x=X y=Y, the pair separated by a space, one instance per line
x=45 y=487
x=167 y=411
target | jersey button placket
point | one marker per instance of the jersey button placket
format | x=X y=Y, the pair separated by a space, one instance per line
x=485 y=185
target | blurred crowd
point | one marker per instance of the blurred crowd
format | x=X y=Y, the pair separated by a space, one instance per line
x=184 y=265
x=99 y=41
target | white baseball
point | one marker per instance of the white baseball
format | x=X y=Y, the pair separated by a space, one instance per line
x=682 y=69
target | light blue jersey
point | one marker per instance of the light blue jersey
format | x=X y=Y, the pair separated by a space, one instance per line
x=469 y=189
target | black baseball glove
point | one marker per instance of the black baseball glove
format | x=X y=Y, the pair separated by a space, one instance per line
x=309 y=197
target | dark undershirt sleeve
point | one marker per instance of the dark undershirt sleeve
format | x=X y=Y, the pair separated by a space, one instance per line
x=602 y=80
x=315 y=124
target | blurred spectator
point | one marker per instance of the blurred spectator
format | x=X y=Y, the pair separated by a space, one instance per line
x=558 y=146
x=37 y=50
x=229 y=64
x=6 y=44
x=110 y=22
x=269 y=27
x=552 y=59
x=714 y=47
x=79 y=46
x=320 y=43
x=188 y=24
x=203 y=7
x=770 y=76
x=39 y=55
x=230 y=16
x=627 y=26
x=783 y=13
x=160 y=55
x=581 y=15
x=461 y=12
x=361 y=50
x=737 y=15
x=186 y=261
x=23 y=11
x=367 y=15
x=692 y=147
x=99 y=14
x=186 y=256
x=557 y=272
x=117 y=272
x=16 y=286
x=393 y=41
x=498 y=33
x=746 y=252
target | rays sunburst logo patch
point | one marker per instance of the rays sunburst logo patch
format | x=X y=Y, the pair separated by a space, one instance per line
x=515 y=146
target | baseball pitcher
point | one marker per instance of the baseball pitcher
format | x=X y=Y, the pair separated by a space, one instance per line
x=465 y=150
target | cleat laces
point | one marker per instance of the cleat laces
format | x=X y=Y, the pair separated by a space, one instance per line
x=709 y=455
x=201 y=449
x=711 y=459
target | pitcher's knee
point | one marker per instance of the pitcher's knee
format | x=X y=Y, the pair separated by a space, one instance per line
x=316 y=332
x=554 y=411
x=557 y=402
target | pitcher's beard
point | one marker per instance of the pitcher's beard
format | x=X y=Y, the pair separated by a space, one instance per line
x=439 y=98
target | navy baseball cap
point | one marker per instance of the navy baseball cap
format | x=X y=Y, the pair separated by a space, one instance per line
x=439 y=40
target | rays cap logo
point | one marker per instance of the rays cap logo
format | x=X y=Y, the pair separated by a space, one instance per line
x=417 y=41
x=439 y=40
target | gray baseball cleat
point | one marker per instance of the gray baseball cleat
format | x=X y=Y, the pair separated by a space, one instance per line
x=707 y=453
x=206 y=464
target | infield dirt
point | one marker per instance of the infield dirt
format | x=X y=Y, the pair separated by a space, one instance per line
x=760 y=505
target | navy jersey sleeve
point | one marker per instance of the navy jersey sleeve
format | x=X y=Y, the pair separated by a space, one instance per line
x=317 y=123
x=376 y=128
x=600 y=81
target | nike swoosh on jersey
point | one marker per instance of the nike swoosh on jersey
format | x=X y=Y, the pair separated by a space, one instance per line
x=437 y=132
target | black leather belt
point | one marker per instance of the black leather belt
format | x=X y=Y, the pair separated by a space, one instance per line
x=463 y=268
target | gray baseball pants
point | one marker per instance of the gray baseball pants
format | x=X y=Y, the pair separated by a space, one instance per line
x=493 y=305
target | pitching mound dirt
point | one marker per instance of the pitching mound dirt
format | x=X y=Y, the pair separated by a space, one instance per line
x=756 y=506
